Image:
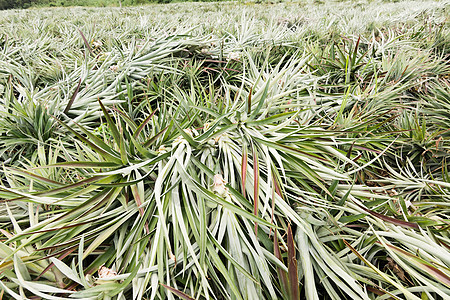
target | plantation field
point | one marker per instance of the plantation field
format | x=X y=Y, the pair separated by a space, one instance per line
x=293 y=150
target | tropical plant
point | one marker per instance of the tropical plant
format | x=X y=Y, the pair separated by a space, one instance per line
x=156 y=159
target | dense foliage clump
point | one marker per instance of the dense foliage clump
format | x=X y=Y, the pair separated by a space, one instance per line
x=214 y=151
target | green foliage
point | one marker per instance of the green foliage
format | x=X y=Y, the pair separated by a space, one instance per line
x=15 y=4
x=207 y=150
x=9 y=4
